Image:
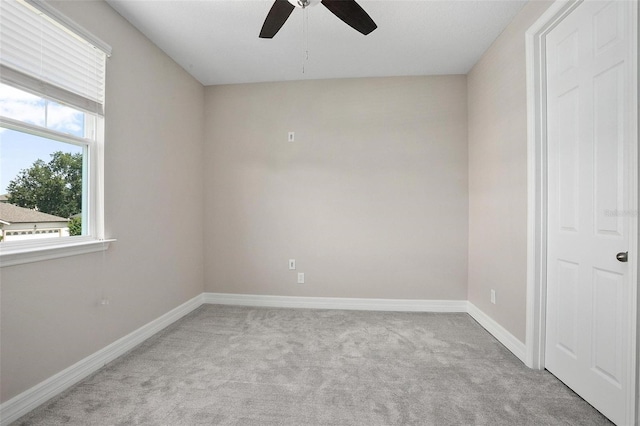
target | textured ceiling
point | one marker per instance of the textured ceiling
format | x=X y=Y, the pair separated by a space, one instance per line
x=217 y=40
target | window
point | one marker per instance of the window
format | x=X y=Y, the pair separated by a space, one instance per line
x=52 y=77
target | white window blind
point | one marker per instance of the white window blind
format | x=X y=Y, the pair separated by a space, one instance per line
x=39 y=54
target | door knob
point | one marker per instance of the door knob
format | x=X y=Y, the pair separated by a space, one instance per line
x=623 y=256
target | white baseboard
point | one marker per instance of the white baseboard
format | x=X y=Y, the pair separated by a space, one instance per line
x=401 y=305
x=21 y=404
x=499 y=332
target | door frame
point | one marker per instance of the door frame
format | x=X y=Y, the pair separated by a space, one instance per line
x=535 y=39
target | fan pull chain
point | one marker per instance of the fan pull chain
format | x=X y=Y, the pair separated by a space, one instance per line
x=305 y=35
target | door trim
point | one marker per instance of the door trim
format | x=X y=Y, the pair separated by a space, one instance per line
x=535 y=39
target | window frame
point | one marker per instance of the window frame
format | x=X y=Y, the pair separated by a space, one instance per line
x=18 y=252
x=93 y=238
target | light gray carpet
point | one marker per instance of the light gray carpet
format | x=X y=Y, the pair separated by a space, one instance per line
x=224 y=365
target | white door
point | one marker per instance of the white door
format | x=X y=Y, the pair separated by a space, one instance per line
x=590 y=211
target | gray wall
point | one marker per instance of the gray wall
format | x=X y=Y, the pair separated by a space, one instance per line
x=498 y=175
x=50 y=312
x=371 y=198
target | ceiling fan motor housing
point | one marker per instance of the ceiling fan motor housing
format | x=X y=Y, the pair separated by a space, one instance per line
x=303 y=3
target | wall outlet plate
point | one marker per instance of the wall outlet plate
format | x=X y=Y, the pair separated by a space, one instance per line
x=300 y=277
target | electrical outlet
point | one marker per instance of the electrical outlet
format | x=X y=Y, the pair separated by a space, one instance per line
x=300 y=277
x=493 y=296
x=291 y=137
x=292 y=264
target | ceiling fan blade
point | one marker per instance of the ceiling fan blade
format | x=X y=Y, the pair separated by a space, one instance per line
x=276 y=18
x=351 y=14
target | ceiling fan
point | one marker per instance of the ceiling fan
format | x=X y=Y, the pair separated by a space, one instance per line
x=348 y=11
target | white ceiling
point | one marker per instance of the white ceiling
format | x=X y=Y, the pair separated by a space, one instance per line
x=217 y=40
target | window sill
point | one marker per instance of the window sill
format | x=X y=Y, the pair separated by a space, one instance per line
x=17 y=255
